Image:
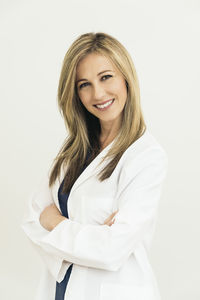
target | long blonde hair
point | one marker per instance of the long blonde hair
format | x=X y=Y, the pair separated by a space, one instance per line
x=84 y=128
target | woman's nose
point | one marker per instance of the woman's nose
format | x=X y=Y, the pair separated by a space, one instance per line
x=98 y=92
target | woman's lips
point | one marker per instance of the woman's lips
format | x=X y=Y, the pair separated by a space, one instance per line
x=105 y=108
x=104 y=102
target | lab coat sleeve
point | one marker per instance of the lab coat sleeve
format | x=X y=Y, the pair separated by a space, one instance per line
x=108 y=247
x=38 y=200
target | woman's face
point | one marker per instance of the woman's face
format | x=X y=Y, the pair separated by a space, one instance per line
x=100 y=89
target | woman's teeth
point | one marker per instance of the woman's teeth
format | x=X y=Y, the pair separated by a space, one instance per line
x=105 y=105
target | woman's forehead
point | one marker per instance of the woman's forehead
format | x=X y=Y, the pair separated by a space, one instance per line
x=94 y=64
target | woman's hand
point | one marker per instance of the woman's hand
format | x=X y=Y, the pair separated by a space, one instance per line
x=50 y=217
x=109 y=220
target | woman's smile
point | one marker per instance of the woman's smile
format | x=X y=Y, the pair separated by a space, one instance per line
x=104 y=106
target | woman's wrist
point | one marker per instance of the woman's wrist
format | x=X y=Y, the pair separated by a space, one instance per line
x=57 y=220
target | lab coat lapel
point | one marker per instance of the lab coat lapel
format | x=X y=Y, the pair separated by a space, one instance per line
x=92 y=169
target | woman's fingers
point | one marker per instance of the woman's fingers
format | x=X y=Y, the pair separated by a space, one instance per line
x=109 y=221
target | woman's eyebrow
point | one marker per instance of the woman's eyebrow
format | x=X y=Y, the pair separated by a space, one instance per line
x=84 y=79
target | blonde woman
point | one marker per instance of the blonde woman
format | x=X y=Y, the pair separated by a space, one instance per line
x=92 y=218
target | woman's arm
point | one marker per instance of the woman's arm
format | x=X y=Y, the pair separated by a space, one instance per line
x=40 y=198
x=51 y=217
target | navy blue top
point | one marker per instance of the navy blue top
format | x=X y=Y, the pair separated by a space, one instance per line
x=62 y=198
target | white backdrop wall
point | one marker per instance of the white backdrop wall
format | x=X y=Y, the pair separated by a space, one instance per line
x=163 y=40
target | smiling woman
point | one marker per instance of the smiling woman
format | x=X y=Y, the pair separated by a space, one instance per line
x=92 y=219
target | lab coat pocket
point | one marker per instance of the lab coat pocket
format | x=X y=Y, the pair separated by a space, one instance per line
x=116 y=291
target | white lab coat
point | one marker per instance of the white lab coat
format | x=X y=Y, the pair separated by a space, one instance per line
x=109 y=262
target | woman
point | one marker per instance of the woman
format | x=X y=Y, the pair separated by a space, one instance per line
x=93 y=217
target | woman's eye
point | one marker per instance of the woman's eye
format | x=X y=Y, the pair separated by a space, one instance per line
x=106 y=76
x=83 y=84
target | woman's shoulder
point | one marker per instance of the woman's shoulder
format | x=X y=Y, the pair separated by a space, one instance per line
x=145 y=157
x=145 y=147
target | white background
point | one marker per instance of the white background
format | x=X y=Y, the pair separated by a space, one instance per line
x=163 y=40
